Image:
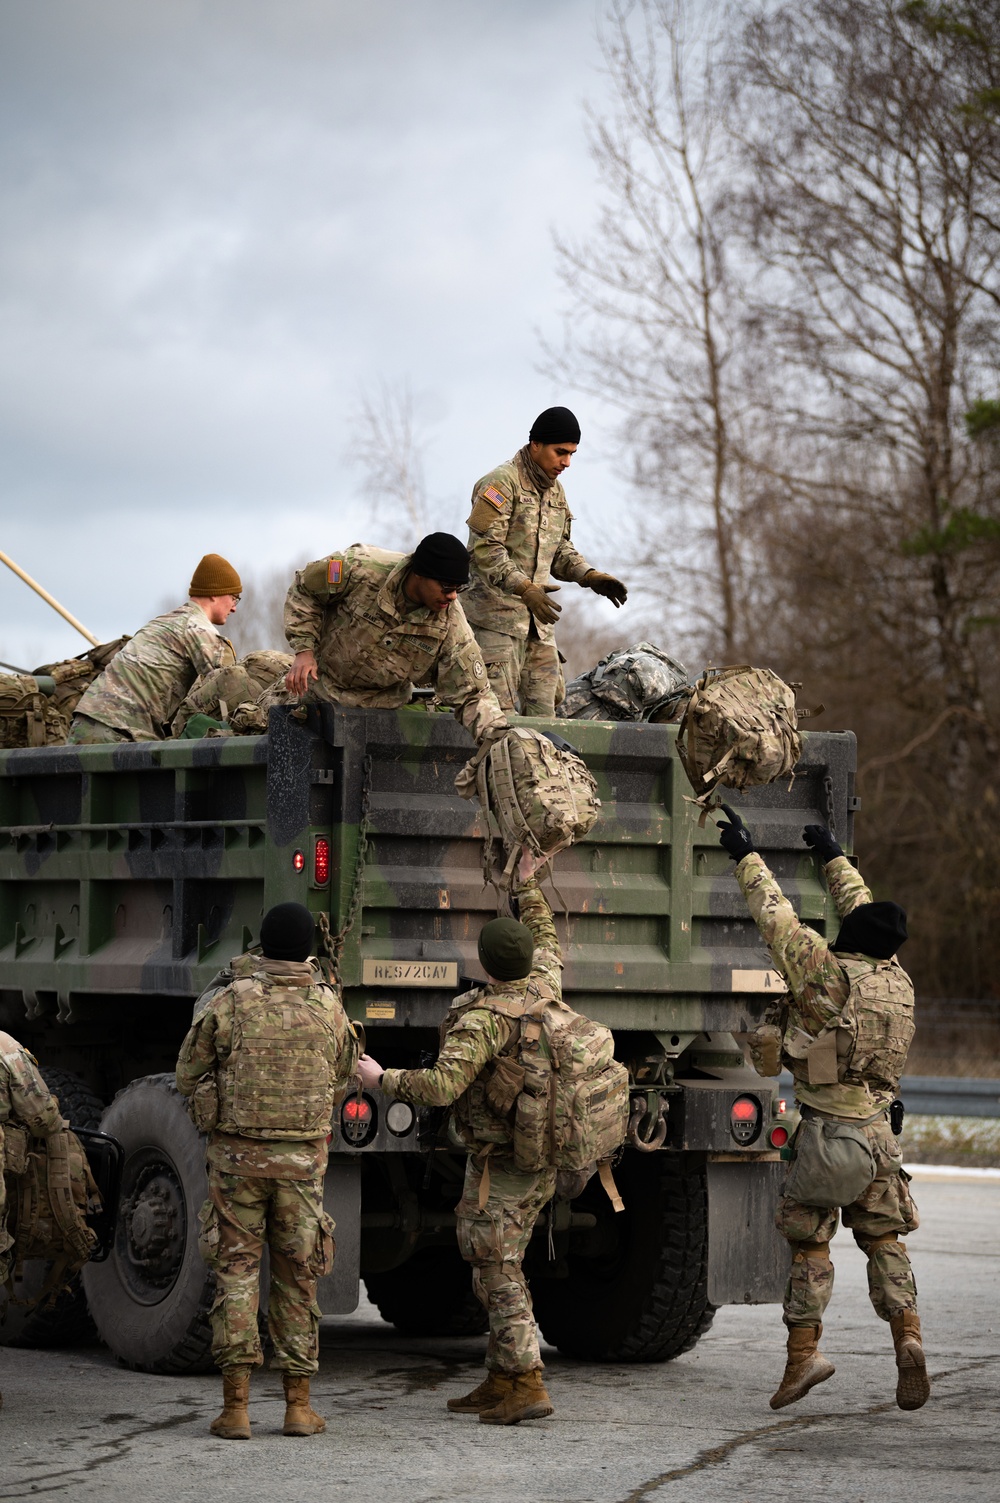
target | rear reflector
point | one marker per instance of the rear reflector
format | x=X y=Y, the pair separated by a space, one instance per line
x=778 y=1137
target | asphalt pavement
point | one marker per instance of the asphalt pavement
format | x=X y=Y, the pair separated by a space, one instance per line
x=74 y=1425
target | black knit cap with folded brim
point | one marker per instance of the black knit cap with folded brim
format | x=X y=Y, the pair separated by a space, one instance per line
x=506 y=949
x=556 y=425
x=287 y=932
x=875 y=929
x=443 y=557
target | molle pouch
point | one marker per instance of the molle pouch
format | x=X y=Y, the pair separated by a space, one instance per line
x=203 y=1103
x=15 y=1148
x=832 y=1164
x=505 y=1084
x=764 y=1045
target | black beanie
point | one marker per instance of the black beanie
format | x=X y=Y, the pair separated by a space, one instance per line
x=506 y=949
x=287 y=932
x=556 y=425
x=442 y=557
x=875 y=929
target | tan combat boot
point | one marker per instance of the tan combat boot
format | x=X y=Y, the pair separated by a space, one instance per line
x=494 y=1388
x=527 y=1399
x=805 y=1367
x=913 y=1386
x=300 y=1417
x=234 y=1421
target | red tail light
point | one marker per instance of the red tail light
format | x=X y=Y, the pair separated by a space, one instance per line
x=298 y=862
x=321 y=862
x=744 y=1119
x=778 y=1137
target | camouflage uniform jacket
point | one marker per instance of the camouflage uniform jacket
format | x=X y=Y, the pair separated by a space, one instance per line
x=206 y=1051
x=373 y=645
x=142 y=688
x=477 y=1030
x=819 y=984
x=25 y=1100
x=518 y=535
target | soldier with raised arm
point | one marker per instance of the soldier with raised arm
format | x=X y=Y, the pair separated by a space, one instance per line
x=500 y=1203
x=366 y=626
x=520 y=541
x=844 y=1030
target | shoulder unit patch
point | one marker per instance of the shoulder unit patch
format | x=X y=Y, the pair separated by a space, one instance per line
x=334 y=570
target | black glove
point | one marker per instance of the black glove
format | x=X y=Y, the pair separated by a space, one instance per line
x=735 y=836
x=820 y=840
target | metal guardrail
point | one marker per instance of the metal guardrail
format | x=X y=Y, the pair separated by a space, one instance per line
x=939 y=1095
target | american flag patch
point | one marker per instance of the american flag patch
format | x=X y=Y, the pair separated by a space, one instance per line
x=335 y=570
x=494 y=497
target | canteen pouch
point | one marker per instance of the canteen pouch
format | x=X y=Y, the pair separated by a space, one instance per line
x=832 y=1163
x=203 y=1103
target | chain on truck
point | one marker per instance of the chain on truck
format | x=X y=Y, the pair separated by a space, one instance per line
x=130 y=875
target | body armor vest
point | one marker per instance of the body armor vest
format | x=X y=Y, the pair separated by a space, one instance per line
x=278 y=1081
x=854 y=1064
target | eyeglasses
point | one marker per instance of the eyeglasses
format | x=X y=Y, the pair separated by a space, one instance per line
x=449 y=584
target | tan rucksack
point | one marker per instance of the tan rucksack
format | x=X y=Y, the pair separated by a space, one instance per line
x=740 y=729
x=31 y=717
x=51 y=1191
x=535 y=795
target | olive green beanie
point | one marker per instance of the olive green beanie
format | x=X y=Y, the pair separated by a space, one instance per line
x=215 y=576
x=506 y=949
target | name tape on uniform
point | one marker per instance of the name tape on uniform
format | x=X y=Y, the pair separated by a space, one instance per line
x=758 y=981
x=409 y=972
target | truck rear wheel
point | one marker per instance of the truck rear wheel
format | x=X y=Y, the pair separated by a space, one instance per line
x=637 y=1286
x=429 y=1295
x=151 y=1299
x=67 y=1321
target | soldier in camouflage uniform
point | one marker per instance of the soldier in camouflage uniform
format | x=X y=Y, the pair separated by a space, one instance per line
x=519 y=538
x=265 y=1063
x=25 y=1101
x=844 y=1030
x=500 y=1204
x=142 y=688
x=366 y=626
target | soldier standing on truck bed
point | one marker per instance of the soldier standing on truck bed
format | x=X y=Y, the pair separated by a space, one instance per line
x=844 y=1030
x=500 y=1204
x=265 y=1065
x=519 y=538
x=144 y=685
x=366 y=626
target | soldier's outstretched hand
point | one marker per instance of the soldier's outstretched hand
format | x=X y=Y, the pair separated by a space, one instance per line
x=536 y=598
x=735 y=837
x=818 y=837
x=607 y=585
x=370 y=1071
x=302 y=671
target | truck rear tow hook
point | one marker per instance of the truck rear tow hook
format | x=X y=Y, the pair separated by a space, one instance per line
x=643 y=1110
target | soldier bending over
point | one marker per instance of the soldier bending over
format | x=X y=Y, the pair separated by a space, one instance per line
x=500 y=1204
x=844 y=1030
x=265 y=1065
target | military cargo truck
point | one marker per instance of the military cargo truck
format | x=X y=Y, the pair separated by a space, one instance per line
x=130 y=874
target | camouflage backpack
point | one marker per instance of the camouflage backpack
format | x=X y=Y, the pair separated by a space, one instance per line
x=51 y=1191
x=739 y=729
x=558 y=1083
x=536 y=794
x=640 y=683
x=39 y=714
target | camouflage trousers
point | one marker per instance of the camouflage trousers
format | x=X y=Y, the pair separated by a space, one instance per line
x=239 y=1217
x=522 y=670
x=885 y=1210
x=86 y=732
x=494 y=1241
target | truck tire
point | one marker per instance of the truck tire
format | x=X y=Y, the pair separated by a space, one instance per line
x=67 y=1322
x=639 y=1293
x=151 y=1299
x=429 y=1295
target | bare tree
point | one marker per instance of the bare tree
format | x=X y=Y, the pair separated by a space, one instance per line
x=390 y=450
x=653 y=323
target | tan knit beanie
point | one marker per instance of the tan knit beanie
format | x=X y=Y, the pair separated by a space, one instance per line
x=214 y=576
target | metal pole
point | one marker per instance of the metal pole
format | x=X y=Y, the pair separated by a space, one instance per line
x=49 y=600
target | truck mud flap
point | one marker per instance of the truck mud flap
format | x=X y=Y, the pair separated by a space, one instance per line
x=748 y=1260
x=338 y=1292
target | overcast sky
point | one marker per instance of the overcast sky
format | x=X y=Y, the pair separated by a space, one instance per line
x=221 y=218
